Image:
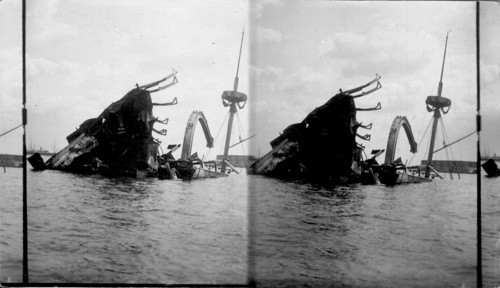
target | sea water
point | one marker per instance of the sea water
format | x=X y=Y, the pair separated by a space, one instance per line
x=92 y=229
x=413 y=235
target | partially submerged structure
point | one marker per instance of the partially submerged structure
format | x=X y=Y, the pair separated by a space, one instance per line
x=393 y=171
x=491 y=168
x=234 y=100
x=120 y=142
x=323 y=147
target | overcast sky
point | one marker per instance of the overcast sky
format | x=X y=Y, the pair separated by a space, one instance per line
x=303 y=52
x=83 y=55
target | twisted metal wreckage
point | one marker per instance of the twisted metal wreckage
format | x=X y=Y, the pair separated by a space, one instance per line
x=323 y=148
x=119 y=142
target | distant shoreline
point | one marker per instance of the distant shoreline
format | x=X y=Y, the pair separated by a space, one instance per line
x=16 y=161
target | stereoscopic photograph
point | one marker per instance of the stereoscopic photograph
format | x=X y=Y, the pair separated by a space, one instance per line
x=250 y=143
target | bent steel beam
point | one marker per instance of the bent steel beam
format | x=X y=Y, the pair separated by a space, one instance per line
x=165 y=121
x=393 y=138
x=367 y=127
x=189 y=134
x=174 y=102
x=174 y=81
x=366 y=137
x=378 y=107
x=369 y=91
x=161 y=132
x=156 y=83
x=377 y=77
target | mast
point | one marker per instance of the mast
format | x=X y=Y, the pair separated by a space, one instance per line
x=232 y=99
x=232 y=110
x=436 y=104
x=25 y=162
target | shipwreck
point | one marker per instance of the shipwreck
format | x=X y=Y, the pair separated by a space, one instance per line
x=120 y=142
x=491 y=168
x=323 y=147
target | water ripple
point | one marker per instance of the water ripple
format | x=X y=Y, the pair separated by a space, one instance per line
x=93 y=229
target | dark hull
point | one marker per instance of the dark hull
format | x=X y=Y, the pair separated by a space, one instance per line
x=322 y=148
x=118 y=142
x=491 y=168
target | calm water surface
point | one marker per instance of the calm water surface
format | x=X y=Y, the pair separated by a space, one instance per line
x=490 y=195
x=94 y=229
x=421 y=235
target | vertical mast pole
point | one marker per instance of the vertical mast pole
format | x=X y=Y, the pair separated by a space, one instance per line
x=232 y=110
x=236 y=79
x=437 y=115
x=478 y=161
x=25 y=120
x=440 y=87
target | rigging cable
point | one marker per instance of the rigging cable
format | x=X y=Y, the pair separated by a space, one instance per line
x=3 y=121
x=241 y=129
x=456 y=110
x=217 y=136
x=445 y=140
x=445 y=135
x=420 y=130
x=221 y=150
x=421 y=125
x=418 y=144
x=428 y=141
x=5 y=133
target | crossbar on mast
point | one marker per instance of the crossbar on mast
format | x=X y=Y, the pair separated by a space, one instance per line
x=437 y=113
x=233 y=98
